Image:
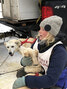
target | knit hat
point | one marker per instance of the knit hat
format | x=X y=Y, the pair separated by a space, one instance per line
x=52 y=24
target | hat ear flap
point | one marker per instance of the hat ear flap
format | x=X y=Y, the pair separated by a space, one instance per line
x=47 y=28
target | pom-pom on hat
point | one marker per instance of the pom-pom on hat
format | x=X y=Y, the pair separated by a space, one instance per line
x=52 y=24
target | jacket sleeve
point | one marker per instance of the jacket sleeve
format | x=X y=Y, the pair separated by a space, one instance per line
x=58 y=61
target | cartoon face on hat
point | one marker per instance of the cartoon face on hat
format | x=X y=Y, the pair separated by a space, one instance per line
x=52 y=24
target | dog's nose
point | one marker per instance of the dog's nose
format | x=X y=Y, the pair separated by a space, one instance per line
x=10 y=53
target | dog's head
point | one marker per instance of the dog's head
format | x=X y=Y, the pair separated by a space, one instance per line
x=12 y=46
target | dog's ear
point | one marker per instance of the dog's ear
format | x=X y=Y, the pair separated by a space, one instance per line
x=18 y=43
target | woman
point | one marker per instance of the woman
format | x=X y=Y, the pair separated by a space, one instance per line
x=52 y=56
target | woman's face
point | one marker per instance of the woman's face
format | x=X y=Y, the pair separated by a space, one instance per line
x=42 y=33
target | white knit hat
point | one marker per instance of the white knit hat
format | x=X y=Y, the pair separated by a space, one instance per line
x=52 y=24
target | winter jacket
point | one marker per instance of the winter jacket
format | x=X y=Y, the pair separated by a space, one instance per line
x=62 y=82
x=58 y=61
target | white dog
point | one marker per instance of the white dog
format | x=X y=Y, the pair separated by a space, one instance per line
x=25 y=50
x=14 y=45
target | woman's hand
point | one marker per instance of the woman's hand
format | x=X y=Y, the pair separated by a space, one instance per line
x=20 y=82
x=26 y=61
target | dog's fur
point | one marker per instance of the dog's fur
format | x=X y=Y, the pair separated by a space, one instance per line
x=25 y=50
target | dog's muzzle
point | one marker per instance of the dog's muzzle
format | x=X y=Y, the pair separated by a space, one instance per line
x=10 y=53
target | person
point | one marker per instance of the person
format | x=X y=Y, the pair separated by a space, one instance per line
x=52 y=54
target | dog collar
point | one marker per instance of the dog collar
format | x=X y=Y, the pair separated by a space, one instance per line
x=36 y=74
x=26 y=41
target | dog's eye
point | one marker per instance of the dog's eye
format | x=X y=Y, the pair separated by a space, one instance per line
x=12 y=46
x=7 y=46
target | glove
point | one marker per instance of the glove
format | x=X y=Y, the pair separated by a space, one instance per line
x=20 y=82
x=26 y=61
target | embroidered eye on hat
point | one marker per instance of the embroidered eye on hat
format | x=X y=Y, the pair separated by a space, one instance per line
x=52 y=24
